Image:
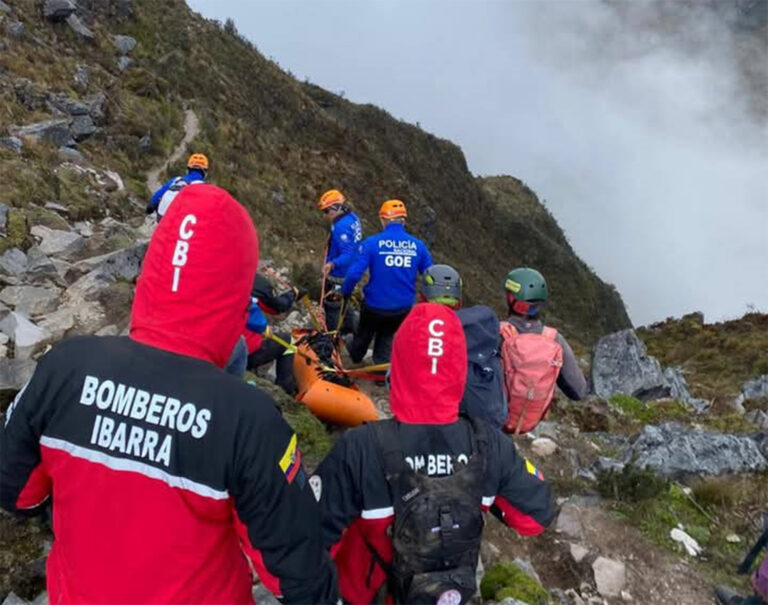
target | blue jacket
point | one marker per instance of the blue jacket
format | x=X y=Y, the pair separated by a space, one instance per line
x=346 y=233
x=394 y=259
x=192 y=176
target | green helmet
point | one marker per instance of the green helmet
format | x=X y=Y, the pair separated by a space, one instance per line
x=526 y=291
x=526 y=284
x=441 y=284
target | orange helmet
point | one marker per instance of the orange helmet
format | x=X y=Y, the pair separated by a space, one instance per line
x=197 y=160
x=330 y=198
x=392 y=209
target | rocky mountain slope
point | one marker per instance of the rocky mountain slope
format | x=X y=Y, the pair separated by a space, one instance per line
x=118 y=92
x=94 y=99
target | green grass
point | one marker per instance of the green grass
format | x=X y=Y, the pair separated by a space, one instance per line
x=717 y=508
x=717 y=358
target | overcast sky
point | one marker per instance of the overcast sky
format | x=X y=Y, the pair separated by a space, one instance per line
x=632 y=123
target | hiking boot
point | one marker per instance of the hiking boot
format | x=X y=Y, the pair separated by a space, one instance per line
x=726 y=596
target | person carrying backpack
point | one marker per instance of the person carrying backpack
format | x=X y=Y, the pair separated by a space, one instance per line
x=402 y=499
x=484 y=392
x=394 y=259
x=169 y=479
x=197 y=168
x=343 y=239
x=535 y=357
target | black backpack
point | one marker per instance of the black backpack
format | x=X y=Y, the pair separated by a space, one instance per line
x=438 y=523
x=484 y=393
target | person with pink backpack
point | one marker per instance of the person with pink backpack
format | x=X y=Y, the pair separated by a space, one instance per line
x=535 y=357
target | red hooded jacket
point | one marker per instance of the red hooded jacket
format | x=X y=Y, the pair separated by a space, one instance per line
x=164 y=470
x=428 y=372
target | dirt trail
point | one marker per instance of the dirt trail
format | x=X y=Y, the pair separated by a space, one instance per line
x=191 y=130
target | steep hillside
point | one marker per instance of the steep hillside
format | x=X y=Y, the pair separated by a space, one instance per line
x=275 y=143
x=717 y=358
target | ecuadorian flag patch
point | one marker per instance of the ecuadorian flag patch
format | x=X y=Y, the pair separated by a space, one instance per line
x=533 y=470
x=290 y=463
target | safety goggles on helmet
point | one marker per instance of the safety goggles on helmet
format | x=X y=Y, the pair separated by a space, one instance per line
x=448 y=301
x=334 y=208
x=522 y=307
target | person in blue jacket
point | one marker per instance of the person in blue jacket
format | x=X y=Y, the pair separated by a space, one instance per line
x=394 y=259
x=346 y=233
x=197 y=167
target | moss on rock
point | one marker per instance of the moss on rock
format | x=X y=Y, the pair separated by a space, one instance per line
x=505 y=579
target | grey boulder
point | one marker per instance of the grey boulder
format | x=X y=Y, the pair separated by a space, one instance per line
x=124 y=264
x=4 y=8
x=14 y=374
x=678 y=389
x=13 y=262
x=124 y=63
x=63 y=104
x=674 y=451
x=125 y=44
x=756 y=388
x=621 y=364
x=52 y=131
x=12 y=143
x=79 y=27
x=82 y=127
x=26 y=336
x=55 y=242
x=58 y=10
x=39 y=266
x=30 y=300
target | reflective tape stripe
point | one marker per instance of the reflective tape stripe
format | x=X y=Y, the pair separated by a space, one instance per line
x=378 y=513
x=124 y=464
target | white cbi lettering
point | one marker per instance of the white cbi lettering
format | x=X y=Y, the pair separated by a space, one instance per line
x=435 y=342
x=182 y=248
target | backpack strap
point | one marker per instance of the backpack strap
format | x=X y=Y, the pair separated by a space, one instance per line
x=508 y=330
x=549 y=333
x=390 y=450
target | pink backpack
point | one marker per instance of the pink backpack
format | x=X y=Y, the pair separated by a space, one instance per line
x=532 y=364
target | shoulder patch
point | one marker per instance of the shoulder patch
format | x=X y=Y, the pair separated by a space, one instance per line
x=532 y=470
x=316 y=483
x=290 y=462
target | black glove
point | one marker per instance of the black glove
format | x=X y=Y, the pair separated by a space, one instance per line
x=150 y=208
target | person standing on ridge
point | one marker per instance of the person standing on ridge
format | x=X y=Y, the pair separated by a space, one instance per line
x=403 y=499
x=345 y=235
x=164 y=470
x=394 y=259
x=197 y=168
x=526 y=291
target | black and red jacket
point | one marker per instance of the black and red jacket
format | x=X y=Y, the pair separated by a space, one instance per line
x=163 y=470
x=271 y=303
x=428 y=373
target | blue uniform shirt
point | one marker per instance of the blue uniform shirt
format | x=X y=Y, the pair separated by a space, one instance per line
x=394 y=259
x=346 y=233
x=192 y=176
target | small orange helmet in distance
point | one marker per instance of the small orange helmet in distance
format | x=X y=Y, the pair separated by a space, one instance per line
x=392 y=209
x=197 y=160
x=330 y=198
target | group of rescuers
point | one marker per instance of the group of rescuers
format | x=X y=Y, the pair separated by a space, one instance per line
x=173 y=481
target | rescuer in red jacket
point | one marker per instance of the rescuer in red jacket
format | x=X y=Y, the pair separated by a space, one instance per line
x=428 y=373
x=163 y=470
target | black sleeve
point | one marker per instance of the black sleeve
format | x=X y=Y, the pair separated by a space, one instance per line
x=336 y=484
x=278 y=511
x=24 y=484
x=265 y=292
x=523 y=497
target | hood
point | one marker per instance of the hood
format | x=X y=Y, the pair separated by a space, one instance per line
x=429 y=366
x=194 y=289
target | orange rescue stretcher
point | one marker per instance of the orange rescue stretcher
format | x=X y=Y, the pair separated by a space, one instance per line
x=329 y=394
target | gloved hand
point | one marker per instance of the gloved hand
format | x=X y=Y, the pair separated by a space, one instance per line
x=267 y=333
x=256 y=322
